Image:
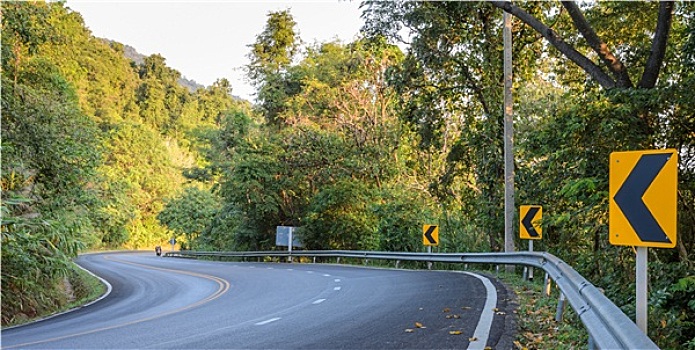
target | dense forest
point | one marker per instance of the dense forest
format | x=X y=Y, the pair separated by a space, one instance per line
x=358 y=144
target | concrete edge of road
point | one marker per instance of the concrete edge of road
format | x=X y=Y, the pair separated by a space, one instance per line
x=484 y=326
x=505 y=305
x=109 y=288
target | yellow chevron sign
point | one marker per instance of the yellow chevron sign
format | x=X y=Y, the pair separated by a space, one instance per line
x=430 y=235
x=529 y=225
x=642 y=191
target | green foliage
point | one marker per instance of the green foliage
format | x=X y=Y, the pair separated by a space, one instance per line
x=92 y=142
x=339 y=217
x=270 y=56
x=400 y=216
x=189 y=213
x=566 y=127
x=358 y=144
x=35 y=255
x=274 y=47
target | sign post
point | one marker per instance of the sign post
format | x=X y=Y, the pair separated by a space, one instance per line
x=643 y=189
x=289 y=246
x=173 y=243
x=530 y=228
x=641 y=282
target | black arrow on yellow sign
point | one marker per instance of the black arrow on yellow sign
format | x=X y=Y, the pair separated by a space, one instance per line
x=428 y=235
x=629 y=198
x=527 y=221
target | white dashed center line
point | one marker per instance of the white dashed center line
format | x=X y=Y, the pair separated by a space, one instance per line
x=318 y=301
x=267 y=321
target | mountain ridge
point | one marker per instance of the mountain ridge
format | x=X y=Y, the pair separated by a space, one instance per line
x=131 y=53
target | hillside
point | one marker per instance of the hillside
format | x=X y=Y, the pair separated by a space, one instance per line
x=132 y=54
x=96 y=139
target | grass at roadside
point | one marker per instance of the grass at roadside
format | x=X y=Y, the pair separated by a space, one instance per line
x=77 y=288
x=86 y=288
x=537 y=326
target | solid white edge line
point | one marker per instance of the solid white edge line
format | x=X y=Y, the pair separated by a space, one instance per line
x=482 y=330
x=262 y=323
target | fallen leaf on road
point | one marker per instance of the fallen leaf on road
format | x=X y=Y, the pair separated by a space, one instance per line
x=419 y=325
x=472 y=339
x=446 y=309
x=409 y=330
x=455 y=332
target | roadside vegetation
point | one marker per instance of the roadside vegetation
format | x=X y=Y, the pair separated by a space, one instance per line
x=358 y=144
x=538 y=328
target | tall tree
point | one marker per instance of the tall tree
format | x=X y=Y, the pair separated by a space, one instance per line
x=270 y=56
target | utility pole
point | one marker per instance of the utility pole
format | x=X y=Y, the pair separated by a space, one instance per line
x=508 y=140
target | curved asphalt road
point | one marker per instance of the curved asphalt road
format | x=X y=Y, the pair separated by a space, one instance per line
x=167 y=303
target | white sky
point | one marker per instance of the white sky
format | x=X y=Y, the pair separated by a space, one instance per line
x=207 y=40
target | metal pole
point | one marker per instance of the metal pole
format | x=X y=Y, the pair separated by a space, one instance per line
x=289 y=245
x=530 y=269
x=429 y=263
x=508 y=140
x=560 y=307
x=641 y=288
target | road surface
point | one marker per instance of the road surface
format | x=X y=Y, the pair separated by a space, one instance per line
x=171 y=303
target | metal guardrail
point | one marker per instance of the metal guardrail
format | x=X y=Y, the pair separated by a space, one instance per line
x=607 y=325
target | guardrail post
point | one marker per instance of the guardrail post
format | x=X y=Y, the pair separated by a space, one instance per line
x=497 y=271
x=560 y=307
x=524 y=276
x=548 y=284
x=398 y=262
